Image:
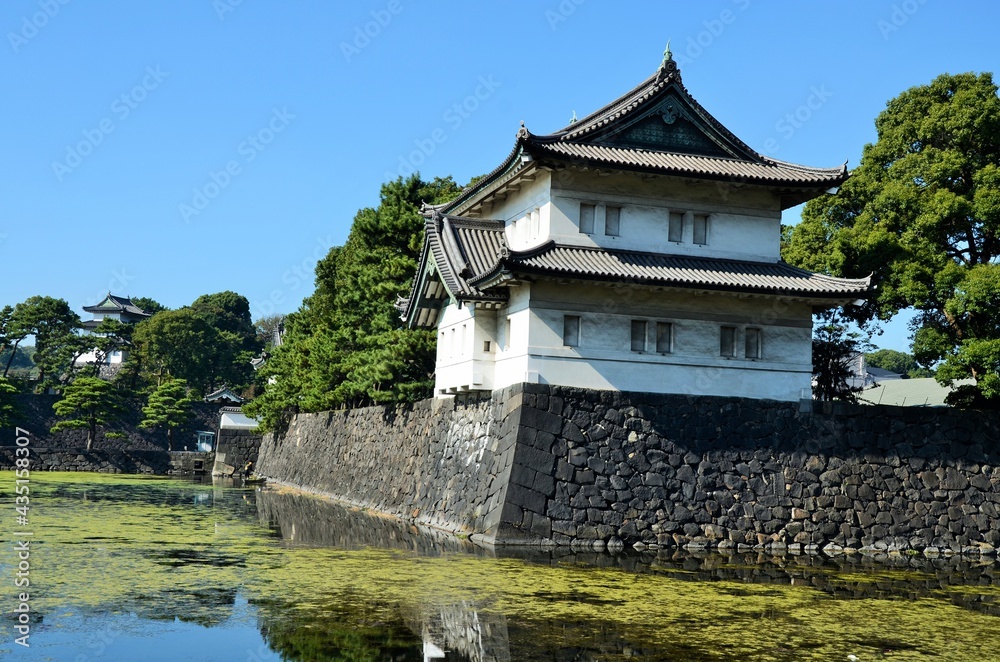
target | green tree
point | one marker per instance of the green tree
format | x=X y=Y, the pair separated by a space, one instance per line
x=922 y=214
x=900 y=363
x=151 y=306
x=208 y=344
x=169 y=407
x=8 y=403
x=346 y=345
x=88 y=402
x=229 y=313
x=834 y=349
x=176 y=344
x=54 y=325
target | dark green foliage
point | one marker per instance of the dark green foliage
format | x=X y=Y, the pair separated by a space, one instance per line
x=834 y=348
x=88 y=402
x=900 y=363
x=8 y=403
x=54 y=326
x=922 y=213
x=151 y=306
x=169 y=406
x=208 y=344
x=346 y=345
x=176 y=344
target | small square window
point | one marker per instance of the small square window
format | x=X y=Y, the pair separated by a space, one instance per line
x=664 y=337
x=587 y=218
x=727 y=341
x=486 y=345
x=571 y=330
x=700 y=229
x=506 y=334
x=638 y=335
x=613 y=221
x=675 y=232
x=753 y=344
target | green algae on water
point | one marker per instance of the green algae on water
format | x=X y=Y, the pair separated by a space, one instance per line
x=167 y=549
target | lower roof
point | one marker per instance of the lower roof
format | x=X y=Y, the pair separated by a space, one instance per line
x=634 y=267
x=469 y=260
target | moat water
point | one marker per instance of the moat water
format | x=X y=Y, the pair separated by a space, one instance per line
x=137 y=568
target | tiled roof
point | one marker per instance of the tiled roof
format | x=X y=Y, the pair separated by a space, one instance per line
x=455 y=249
x=469 y=260
x=657 y=128
x=117 y=304
x=674 y=270
x=763 y=172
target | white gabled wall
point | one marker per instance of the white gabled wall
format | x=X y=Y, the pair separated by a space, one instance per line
x=744 y=223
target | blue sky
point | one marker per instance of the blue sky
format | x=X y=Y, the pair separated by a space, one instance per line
x=176 y=149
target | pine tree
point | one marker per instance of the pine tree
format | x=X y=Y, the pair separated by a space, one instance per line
x=169 y=406
x=91 y=402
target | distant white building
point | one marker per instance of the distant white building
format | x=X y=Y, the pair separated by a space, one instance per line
x=117 y=308
x=635 y=249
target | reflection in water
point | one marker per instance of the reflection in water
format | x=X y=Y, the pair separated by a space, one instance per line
x=477 y=630
x=152 y=569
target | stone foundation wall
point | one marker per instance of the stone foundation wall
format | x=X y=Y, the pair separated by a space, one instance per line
x=80 y=459
x=234 y=449
x=440 y=463
x=538 y=464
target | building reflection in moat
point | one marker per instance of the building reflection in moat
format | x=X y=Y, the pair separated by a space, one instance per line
x=471 y=631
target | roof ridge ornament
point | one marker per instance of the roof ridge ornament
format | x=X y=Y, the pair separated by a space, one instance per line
x=668 y=71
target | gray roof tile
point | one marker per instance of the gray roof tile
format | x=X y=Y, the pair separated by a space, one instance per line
x=674 y=271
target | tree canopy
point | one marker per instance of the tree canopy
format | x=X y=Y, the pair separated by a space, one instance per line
x=207 y=344
x=346 y=345
x=898 y=362
x=922 y=214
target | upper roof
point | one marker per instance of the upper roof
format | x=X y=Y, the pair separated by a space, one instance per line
x=116 y=304
x=658 y=128
x=469 y=260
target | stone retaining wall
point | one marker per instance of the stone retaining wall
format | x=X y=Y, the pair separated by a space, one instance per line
x=440 y=463
x=158 y=462
x=233 y=450
x=538 y=464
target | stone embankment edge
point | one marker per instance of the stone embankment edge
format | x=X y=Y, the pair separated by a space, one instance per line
x=608 y=469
